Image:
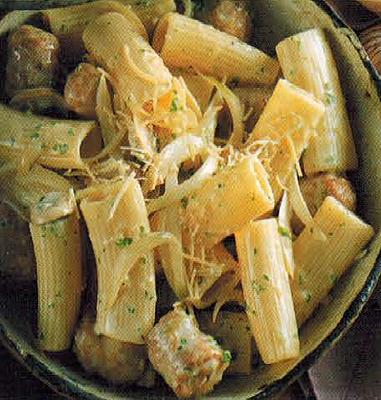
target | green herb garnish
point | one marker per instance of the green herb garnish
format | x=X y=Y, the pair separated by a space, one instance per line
x=183 y=343
x=175 y=104
x=61 y=148
x=257 y=287
x=124 y=242
x=131 y=309
x=307 y=296
x=285 y=232
x=226 y=356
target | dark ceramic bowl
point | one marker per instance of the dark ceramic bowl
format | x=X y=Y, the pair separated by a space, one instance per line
x=275 y=20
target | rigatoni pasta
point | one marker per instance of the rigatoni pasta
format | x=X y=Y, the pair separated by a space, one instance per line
x=115 y=216
x=289 y=119
x=307 y=61
x=69 y=23
x=139 y=73
x=227 y=201
x=40 y=195
x=183 y=42
x=58 y=251
x=319 y=262
x=186 y=191
x=57 y=143
x=267 y=292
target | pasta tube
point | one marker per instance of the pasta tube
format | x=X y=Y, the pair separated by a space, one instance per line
x=139 y=74
x=289 y=119
x=116 y=217
x=39 y=196
x=172 y=255
x=307 y=61
x=320 y=263
x=150 y=12
x=183 y=42
x=227 y=201
x=57 y=247
x=267 y=291
x=289 y=111
x=55 y=142
x=68 y=23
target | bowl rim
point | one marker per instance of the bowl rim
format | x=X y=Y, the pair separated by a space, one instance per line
x=70 y=390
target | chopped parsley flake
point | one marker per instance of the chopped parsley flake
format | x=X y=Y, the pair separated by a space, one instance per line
x=61 y=148
x=183 y=343
x=70 y=132
x=34 y=135
x=257 y=287
x=307 y=296
x=148 y=296
x=266 y=278
x=226 y=356
x=124 y=242
x=47 y=201
x=131 y=309
x=189 y=371
x=285 y=232
x=174 y=104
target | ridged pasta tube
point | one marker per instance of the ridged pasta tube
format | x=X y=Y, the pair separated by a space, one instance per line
x=307 y=61
x=184 y=42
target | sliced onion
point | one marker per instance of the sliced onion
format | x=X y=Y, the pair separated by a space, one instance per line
x=208 y=168
x=128 y=259
x=236 y=112
x=284 y=221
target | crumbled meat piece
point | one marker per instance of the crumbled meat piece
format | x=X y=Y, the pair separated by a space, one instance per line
x=32 y=59
x=316 y=189
x=190 y=361
x=232 y=17
x=81 y=90
x=116 y=361
x=16 y=249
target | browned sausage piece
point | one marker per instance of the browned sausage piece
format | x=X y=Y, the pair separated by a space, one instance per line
x=232 y=17
x=116 y=361
x=81 y=90
x=316 y=189
x=16 y=248
x=190 y=361
x=32 y=59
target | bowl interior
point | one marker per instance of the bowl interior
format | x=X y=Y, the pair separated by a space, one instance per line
x=274 y=20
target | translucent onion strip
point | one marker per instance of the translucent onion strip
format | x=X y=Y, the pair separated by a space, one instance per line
x=209 y=167
x=285 y=232
x=127 y=259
